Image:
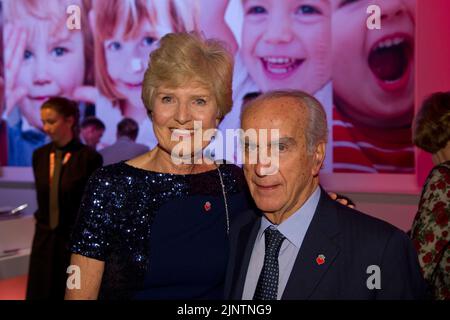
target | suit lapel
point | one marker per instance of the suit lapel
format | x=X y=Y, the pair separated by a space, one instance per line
x=308 y=271
x=244 y=248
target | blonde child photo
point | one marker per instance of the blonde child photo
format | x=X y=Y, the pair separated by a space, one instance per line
x=43 y=59
x=125 y=33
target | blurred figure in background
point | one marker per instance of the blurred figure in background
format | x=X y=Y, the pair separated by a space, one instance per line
x=125 y=147
x=61 y=171
x=92 y=130
x=431 y=228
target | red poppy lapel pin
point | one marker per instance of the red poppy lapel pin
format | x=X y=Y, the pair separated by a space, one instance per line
x=207 y=206
x=320 y=260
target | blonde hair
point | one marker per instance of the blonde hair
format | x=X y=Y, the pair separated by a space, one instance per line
x=188 y=57
x=54 y=11
x=108 y=13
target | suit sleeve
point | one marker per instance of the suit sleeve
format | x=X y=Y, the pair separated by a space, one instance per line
x=400 y=272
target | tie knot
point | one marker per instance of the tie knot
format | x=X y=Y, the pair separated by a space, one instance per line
x=274 y=239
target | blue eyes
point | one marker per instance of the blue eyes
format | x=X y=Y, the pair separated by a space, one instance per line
x=27 y=54
x=303 y=9
x=198 y=102
x=56 y=52
x=114 y=46
x=256 y=10
x=59 y=51
x=306 y=9
x=166 y=99
x=148 y=41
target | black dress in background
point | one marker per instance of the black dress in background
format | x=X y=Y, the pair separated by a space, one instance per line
x=50 y=254
x=161 y=236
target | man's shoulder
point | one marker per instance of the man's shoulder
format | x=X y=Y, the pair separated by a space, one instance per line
x=365 y=228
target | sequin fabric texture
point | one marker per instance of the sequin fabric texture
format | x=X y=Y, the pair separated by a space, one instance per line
x=117 y=211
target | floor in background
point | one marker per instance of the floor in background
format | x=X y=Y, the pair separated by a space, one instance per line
x=13 y=289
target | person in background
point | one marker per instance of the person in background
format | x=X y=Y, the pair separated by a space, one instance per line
x=91 y=132
x=61 y=170
x=431 y=228
x=125 y=147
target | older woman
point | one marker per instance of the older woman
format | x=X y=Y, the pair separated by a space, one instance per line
x=151 y=228
x=431 y=229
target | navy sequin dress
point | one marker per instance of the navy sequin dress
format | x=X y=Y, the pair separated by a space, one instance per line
x=161 y=236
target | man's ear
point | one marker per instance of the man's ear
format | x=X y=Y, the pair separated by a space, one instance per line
x=318 y=158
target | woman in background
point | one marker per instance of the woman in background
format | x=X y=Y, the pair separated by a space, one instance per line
x=61 y=170
x=431 y=227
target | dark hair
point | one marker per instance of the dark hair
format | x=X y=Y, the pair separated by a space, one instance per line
x=432 y=123
x=65 y=107
x=93 y=122
x=128 y=127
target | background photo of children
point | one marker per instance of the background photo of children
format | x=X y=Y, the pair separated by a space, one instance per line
x=364 y=79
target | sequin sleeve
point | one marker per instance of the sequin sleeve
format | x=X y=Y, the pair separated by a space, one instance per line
x=90 y=237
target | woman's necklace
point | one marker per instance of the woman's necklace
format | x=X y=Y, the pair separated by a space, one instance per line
x=224 y=200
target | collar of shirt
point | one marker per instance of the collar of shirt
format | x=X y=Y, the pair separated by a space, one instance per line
x=296 y=226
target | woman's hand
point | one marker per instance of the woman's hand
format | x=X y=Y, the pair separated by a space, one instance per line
x=14 y=50
x=86 y=94
x=342 y=199
x=211 y=20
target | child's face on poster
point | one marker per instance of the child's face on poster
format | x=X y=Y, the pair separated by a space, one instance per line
x=373 y=70
x=53 y=65
x=287 y=44
x=127 y=59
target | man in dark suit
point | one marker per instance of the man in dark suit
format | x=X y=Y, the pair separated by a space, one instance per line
x=301 y=244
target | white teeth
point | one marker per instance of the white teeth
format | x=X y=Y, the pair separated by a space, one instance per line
x=278 y=70
x=277 y=60
x=390 y=42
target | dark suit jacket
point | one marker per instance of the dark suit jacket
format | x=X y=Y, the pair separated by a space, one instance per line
x=351 y=242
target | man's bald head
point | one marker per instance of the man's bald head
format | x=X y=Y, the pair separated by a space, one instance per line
x=298 y=106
